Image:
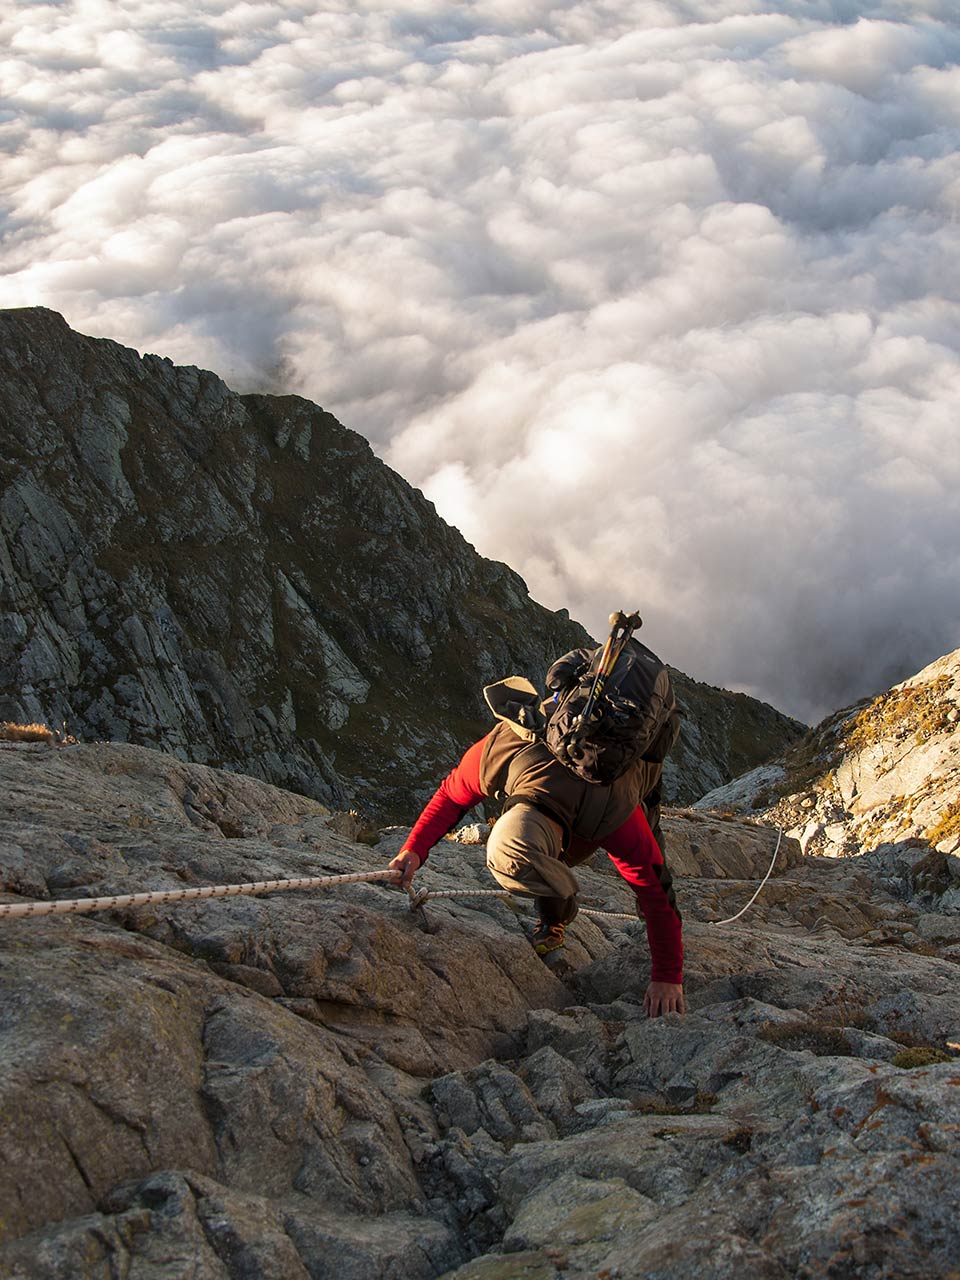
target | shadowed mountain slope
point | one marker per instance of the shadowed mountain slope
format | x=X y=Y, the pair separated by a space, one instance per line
x=240 y=581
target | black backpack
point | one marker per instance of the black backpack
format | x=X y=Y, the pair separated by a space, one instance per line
x=634 y=718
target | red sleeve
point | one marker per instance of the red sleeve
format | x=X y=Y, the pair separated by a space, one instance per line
x=636 y=855
x=457 y=793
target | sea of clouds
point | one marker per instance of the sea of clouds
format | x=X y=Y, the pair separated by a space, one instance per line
x=658 y=302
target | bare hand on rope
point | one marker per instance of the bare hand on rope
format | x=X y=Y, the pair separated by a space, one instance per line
x=406 y=862
x=664 y=997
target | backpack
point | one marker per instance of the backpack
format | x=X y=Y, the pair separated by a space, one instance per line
x=629 y=721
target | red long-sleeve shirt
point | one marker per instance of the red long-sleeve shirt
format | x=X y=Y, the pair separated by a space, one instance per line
x=632 y=850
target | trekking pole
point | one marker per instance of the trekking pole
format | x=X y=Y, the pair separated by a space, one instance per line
x=622 y=627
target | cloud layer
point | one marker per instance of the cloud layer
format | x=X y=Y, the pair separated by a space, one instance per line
x=658 y=302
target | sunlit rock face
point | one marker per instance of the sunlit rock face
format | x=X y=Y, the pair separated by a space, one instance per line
x=240 y=581
x=884 y=774
x=325 y=1084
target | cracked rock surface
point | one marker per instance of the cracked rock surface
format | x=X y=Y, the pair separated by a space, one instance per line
x=328 y=1085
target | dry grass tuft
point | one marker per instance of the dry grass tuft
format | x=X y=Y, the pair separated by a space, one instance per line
x=949 y=824
x=824 y=1039
x=920 y=1057
x=740 y=1140
x=656 y=1105
x=10 y=732
x=919 y=709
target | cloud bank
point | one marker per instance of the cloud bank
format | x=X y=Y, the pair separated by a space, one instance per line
x=658 y=302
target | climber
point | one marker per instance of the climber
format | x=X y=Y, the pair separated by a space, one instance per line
x=554 y=819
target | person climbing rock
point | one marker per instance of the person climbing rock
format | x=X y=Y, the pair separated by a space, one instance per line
x=576 y=774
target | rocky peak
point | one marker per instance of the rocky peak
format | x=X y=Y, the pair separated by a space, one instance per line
x=240 y=581
x=885 y=772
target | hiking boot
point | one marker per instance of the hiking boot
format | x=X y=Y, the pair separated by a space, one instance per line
x=547 y=937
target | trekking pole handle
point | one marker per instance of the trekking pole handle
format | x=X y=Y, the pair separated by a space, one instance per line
x=621 y=627
x=629 y=621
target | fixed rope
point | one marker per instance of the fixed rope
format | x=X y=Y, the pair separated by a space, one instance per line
x=419 y=896
x=83 y=906
x=161 y=897
x=742 y=910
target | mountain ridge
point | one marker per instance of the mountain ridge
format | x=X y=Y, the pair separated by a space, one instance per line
x=239 y=580
x=884 y=772
x=292 y=1086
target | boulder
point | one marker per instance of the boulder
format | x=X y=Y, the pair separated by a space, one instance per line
x=315 y=1084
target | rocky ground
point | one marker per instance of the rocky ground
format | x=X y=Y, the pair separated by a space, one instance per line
x=320 y=1085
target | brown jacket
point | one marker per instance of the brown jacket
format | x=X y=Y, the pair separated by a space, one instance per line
x=517 y=770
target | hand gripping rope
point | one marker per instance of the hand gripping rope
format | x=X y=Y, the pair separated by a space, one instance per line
x=161 y=897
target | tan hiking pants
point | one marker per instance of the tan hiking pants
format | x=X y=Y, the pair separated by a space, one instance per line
x=524 y=855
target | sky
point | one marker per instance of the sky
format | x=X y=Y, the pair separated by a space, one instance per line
x=658 y=302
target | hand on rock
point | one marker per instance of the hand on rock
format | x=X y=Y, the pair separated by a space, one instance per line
x=406 y=862
x=664 y=997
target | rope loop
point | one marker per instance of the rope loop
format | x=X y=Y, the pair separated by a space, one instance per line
x=742 y=910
